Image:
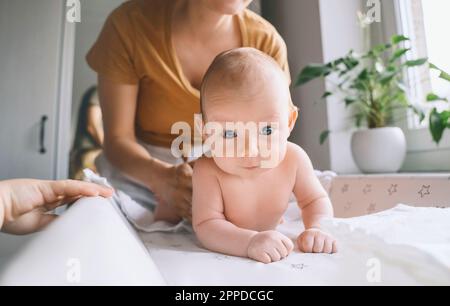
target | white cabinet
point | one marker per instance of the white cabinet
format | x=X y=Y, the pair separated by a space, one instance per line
x=33 y=73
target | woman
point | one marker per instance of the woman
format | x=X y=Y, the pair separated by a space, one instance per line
x=150 y=58
x=89 y=136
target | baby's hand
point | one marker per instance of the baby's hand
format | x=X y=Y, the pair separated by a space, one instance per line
x=269 y=246
x=314 y=240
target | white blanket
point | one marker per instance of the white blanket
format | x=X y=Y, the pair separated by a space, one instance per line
x=404 y=245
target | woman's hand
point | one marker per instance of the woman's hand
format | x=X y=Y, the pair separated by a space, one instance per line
x=25 y=203
x=175 y=190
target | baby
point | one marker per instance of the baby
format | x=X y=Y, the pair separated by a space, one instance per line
x=240 y=198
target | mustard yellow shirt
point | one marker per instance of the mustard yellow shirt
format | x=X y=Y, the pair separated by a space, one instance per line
x=135 y=47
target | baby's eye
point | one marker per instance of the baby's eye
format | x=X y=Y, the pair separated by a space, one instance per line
x=229 y=134
x=267 y=130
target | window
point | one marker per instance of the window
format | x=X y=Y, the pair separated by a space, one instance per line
x=424 y=22
x=436 y=27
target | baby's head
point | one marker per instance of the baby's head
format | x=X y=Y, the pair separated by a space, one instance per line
x=246 y=94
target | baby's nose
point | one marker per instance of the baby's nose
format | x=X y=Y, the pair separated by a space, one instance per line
x=251 y=147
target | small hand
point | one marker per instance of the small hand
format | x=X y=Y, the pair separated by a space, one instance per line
x=314 y=240
x=25 y=203
x=269 y=246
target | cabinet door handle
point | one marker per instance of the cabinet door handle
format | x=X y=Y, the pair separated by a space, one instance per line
x=42 y=149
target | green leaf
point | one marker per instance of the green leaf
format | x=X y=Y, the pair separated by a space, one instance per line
x=418 y=111
x=324 y=136
x=381 y=48
x=359 y=118
x=326 y=95
x=349 y=100
x=417 y=62
x=438 y=123
x=443 y=75
x=396 y=39
x=334 y=64
x=311 y=72
x=350 y=63
x=363 y=75
x=431 y=97
x=398 y=53
x=387 y=76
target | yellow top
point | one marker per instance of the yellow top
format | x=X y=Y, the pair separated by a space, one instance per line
x=135 y=47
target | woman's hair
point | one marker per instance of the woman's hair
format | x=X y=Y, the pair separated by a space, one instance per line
x=82 y=135
x=81 y=130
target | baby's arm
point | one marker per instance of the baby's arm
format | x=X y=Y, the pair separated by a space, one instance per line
x=219 y=235
x=208 y=220
x=315 y=204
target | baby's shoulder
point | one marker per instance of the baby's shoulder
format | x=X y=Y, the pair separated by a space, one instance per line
x=295 y=155
x=205 y=166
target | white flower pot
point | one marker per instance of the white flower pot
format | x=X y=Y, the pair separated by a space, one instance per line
x=380 y=150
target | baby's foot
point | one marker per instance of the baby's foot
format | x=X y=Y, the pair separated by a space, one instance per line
x=269 y=246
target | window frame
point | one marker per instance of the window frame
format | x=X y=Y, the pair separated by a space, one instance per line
x=418 y=136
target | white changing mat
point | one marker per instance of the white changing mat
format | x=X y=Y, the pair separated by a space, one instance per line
x=404 y=245
x=401 y=246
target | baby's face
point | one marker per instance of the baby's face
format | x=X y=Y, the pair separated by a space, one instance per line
x=254 y=127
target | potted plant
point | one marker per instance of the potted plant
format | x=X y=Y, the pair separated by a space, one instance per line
x=439 y=121
x=371 y=83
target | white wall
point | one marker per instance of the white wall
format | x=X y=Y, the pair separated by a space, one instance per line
x=318 y=31
x=93 y=15
x=299 y=24
x=340 y=33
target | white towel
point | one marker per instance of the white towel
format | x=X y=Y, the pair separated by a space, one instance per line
x=140 y=217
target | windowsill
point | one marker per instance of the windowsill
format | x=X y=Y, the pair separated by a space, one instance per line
x=402 y=175
x=420 y=140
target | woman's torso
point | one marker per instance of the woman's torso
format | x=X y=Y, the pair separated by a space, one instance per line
x=168 y=74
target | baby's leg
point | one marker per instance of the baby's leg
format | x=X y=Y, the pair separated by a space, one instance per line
x=165 y=212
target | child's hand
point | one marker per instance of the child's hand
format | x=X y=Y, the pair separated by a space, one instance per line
x=313 y=240
x=269 y=246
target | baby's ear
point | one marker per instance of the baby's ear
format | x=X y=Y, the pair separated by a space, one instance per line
x=293 y=116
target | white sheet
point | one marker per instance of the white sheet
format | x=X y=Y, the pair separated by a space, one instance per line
x=405 y=245
x=90 y=244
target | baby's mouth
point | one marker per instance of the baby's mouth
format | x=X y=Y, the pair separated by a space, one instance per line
x=251 y=167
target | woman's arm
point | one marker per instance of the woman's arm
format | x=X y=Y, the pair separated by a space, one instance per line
x=172 y=184
x=118 y=104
